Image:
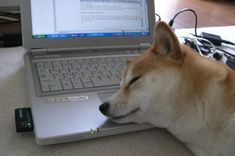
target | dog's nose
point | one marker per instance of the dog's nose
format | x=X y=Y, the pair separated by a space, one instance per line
x=104 y=107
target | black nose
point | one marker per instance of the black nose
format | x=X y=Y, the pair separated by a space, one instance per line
x=104 y=108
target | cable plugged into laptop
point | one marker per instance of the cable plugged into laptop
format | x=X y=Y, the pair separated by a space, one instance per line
x=23 y=120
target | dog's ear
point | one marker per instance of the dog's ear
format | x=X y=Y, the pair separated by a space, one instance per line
x=165 y=41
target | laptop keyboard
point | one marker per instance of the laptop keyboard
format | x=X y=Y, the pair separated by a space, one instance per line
x=80 y=73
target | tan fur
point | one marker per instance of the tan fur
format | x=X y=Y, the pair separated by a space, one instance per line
x=177 y=89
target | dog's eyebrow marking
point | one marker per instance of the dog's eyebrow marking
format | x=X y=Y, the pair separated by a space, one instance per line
x=133 y=80
x=130 y=78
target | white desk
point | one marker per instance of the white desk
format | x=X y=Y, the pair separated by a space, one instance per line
x=13 y=95
x=226 y=33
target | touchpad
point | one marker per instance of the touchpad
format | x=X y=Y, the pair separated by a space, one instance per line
x=105 y=95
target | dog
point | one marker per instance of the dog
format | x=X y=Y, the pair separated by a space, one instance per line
x=172 y=87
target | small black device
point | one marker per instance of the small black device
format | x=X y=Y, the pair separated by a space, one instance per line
x=23 y=120
x=12 y=39
x=231 y=63
x=217 y=56
x=215 y=39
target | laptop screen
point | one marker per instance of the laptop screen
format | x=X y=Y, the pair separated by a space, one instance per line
x=89 y=18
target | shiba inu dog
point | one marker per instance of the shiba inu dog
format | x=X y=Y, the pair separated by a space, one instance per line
x=170 y=86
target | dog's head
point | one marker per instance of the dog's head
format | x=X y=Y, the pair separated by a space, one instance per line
x=147 y=81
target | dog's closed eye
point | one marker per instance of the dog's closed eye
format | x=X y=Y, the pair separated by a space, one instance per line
x=134 y=80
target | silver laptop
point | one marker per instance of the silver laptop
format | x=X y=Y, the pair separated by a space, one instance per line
x=75 y=53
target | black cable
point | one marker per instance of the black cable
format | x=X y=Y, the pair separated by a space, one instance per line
x=226 y=52
x=159 y=17
x=12 y=13
x=204 y=44
x=227 y=42
x=16 y=15
x=184 y=10
x=5 y=15
x=8 y=22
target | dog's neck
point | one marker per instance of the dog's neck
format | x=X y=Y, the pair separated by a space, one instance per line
x=197 y=101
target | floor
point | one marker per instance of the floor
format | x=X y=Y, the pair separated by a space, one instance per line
x=209 y=12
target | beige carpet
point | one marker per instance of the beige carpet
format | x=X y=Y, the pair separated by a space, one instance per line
x=13 y=94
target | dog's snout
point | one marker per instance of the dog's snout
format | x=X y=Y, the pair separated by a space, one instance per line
x=104 y=107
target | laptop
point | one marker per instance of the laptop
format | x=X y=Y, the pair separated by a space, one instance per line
x=72 y=47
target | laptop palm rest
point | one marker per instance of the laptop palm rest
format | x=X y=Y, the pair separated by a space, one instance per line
x=105 y=95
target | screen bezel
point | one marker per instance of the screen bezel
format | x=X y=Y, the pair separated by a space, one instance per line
x=87 y=42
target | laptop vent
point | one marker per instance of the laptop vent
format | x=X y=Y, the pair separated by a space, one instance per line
x=68 y=139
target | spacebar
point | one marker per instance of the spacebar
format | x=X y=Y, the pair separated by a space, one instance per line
x=100 y=83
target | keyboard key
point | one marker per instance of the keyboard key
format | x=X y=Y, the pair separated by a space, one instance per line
x=106 y=82
x=45 y=76
x=55 y=85
x=87 y=83
x=45 y=88
x=77 y=83
x=66 y=84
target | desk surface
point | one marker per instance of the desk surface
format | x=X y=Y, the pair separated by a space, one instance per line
x=13 y=94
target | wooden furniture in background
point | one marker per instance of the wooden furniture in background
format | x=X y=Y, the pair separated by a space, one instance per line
x=210 y=13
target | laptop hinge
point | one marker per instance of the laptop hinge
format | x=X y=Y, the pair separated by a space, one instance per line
x=38 y=52
x=145 y=45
